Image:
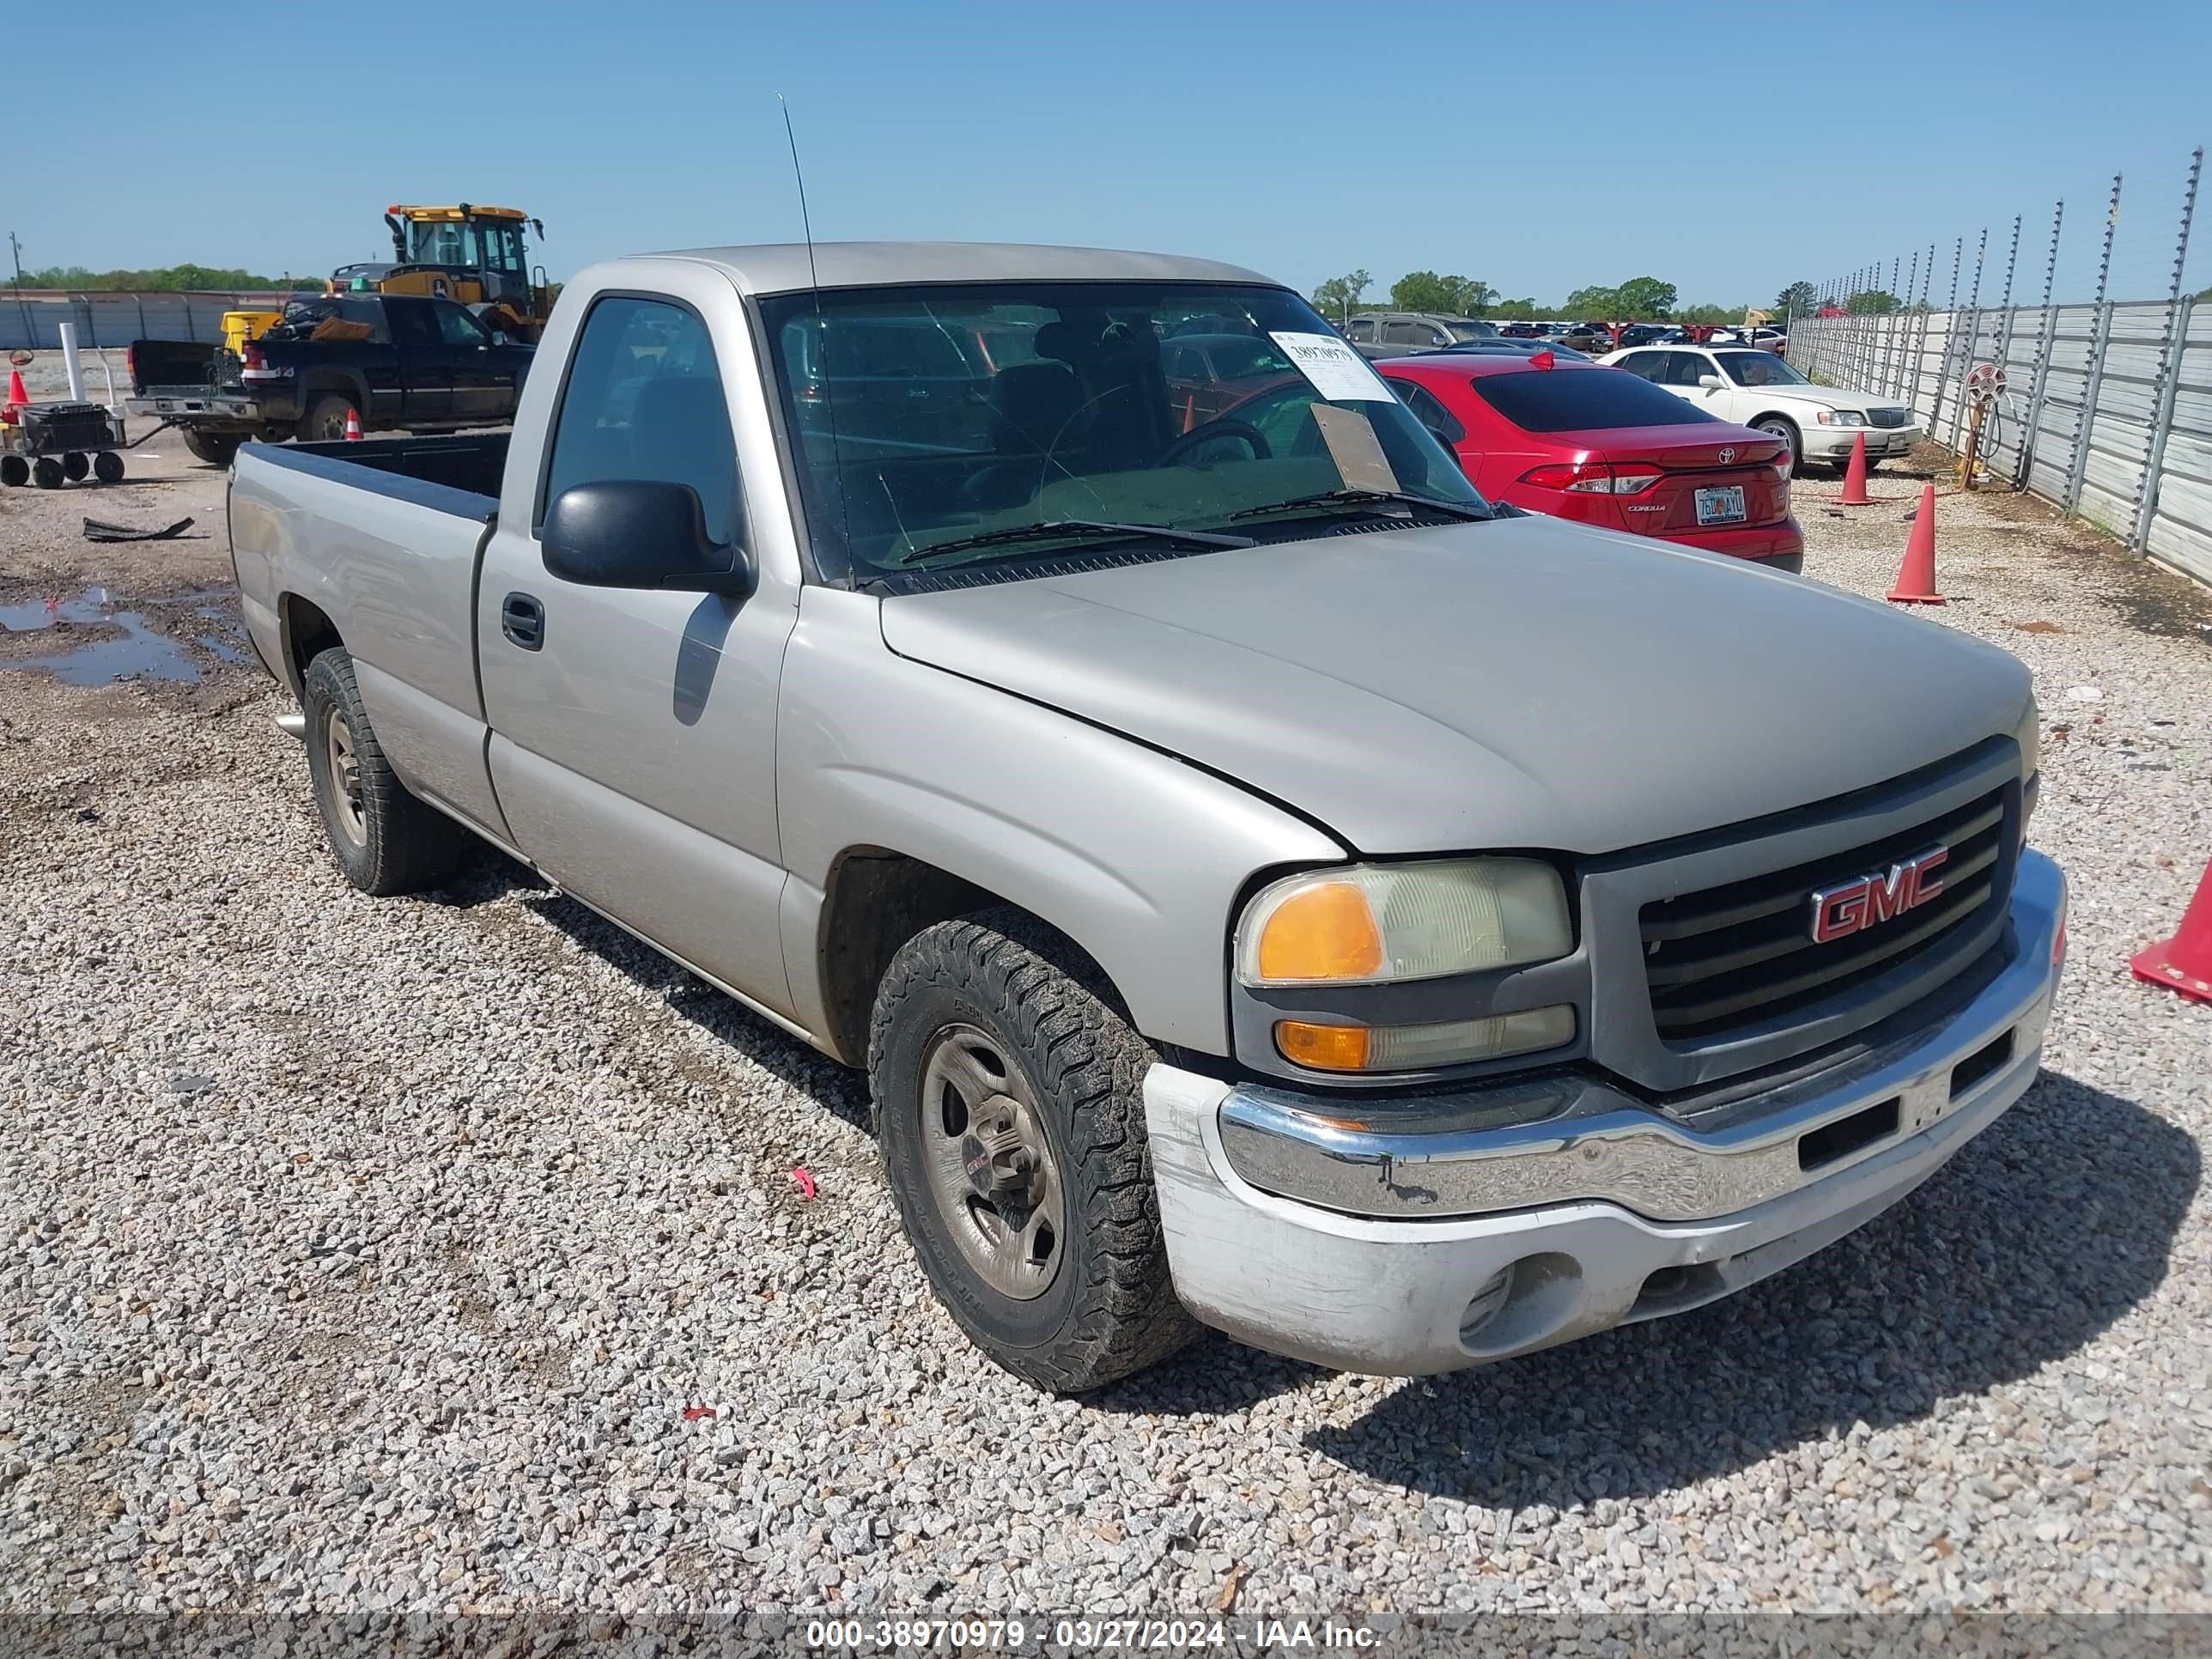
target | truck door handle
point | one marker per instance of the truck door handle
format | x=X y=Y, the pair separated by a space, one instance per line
x=522 y=619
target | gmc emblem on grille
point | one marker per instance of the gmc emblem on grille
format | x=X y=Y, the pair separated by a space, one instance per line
x=1853 y=906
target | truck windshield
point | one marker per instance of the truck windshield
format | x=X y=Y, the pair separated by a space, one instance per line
x=988 y=414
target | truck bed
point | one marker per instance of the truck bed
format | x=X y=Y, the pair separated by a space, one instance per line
x=379 y=541
x=471 y=465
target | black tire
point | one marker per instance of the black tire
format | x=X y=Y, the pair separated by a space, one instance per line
x=325 y=419
x=216 y=448
x=1777 y=426
x=46 y=472
x=1109 y=1310
x=75 y=465
x=15 y=471
x=108 y=467
x=385 y=841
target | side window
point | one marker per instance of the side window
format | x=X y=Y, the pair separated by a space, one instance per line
x=1646 y=365
x=411 y=324
x=456 y=327
x=1429 y=411
x=1405 y=333
x=1189 y=365
x=644 y=400
x=1437 y=336
x=1360 y=328
x=1685 y=367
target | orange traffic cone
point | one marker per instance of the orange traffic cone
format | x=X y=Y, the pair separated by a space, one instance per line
x=1855 y=476
x=2184 y=962
x=1916 y=577
x=1190 y=411
x=16 y=396
x=353 y=426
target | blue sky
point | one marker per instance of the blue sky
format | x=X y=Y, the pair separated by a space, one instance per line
x=1728 y=149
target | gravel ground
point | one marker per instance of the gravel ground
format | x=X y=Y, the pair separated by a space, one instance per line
x=440 y=1253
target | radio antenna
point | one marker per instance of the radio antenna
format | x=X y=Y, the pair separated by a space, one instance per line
x=821 y=335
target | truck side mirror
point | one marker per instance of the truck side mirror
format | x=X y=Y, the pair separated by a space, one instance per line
x=640 y=532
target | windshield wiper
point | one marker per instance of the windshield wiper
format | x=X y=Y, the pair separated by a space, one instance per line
x=1055 y=529
x=1466 y=510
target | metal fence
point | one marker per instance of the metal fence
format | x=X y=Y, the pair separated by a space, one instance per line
x=2103 y=407
x=30 y=319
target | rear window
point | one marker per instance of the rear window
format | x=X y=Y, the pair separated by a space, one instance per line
x=1584 y=400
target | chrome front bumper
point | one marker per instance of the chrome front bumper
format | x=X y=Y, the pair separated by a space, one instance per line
x=1881 y=441
x=1361 y=1236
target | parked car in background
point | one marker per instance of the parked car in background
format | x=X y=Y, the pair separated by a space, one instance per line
x=1756 y=389
x=1588 y=336
x=1769 y=339
x=394 y=360
x=1643 y=333
x=1579 y=441
x=1211 y=372
x=1504 y=348
x=1386 y=333
x=1519 y=331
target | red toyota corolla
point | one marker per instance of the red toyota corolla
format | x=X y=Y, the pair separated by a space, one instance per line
x=1579 y=441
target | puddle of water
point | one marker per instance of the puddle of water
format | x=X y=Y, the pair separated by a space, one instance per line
x=223 y=649
x=139 y=650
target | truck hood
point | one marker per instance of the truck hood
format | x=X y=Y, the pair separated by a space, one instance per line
x=1821 y=397
x=1520 y=683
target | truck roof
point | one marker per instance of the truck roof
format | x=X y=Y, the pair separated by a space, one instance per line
x=783 y=267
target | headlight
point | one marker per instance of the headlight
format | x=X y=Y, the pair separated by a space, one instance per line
x=1372 y=924
x=1840 y=418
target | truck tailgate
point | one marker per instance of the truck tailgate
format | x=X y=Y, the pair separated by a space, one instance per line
x=390 y=560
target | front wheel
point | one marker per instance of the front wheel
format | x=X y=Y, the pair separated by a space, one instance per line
x=385 y=840
x=1775 y=427
x=1008 y=1103
x=108 y=467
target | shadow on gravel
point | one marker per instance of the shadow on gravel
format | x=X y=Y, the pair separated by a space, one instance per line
x=494 y=875
x=2049 y=1227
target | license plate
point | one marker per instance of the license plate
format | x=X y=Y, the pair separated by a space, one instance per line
x=1721 y=506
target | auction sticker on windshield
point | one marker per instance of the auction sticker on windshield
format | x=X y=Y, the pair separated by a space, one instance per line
x=1338 y=373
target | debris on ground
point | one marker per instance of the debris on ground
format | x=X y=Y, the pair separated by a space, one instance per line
x=98 y=530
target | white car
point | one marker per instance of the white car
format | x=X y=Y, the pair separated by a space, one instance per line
x=1757 y=389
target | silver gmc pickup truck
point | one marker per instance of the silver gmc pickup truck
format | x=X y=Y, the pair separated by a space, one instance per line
x=1267 y=886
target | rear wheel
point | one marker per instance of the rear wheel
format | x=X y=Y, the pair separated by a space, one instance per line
x=325 y=421
x=75 y=466
x=216 y=448
x=1774 y=426
x=108 y=467
x=15 y=471
x=385 y=840
x=46 y=472
x=1008 y=1102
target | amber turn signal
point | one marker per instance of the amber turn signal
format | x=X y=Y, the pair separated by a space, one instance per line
x=1323 y=1047
x=1324 y=932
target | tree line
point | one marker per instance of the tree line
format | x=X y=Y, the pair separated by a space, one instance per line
x=1639 y=300
x=165 y=278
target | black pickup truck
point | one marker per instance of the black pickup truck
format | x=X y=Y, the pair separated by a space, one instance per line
x=398 y=362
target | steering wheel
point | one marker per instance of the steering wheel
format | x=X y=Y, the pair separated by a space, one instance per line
x=1250 y=434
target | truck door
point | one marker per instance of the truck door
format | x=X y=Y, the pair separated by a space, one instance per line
x=480 y=397
x=425 y=374
x=634 y=746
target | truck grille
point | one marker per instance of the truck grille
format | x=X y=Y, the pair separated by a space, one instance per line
x=1734 y=957
x=1889 y=416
